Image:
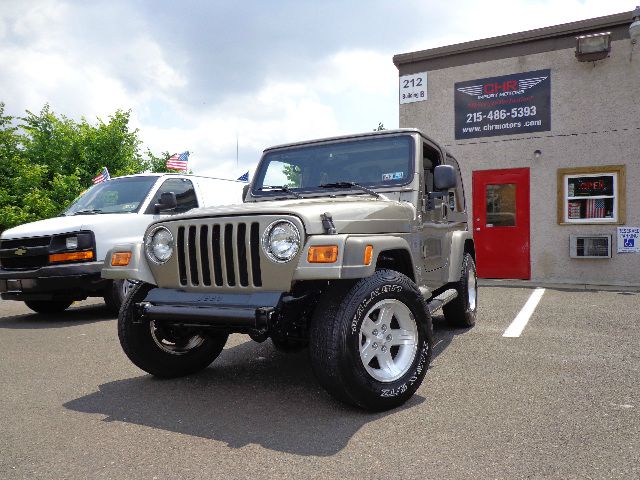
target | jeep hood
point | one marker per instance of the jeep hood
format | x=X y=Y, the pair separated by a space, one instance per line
x=350 y=214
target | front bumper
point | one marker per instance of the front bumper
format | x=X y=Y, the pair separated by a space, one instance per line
x=72 y=282
x=232 y=312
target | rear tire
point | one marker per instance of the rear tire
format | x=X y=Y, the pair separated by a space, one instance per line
x=48 y=306
x=163 y=351
x=371 y=345
x=462 y=311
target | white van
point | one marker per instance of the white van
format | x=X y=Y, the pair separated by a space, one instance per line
x=51 y=263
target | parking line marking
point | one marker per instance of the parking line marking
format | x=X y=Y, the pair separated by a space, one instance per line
x=521 y=320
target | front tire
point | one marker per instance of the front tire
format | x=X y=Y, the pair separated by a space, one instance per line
x=160 y=350
x=462 y=311
x=371 y=346
x=48 y=306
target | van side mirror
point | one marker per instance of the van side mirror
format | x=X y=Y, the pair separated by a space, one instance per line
x=168 y=201
x=245 y=190
x=444 y=177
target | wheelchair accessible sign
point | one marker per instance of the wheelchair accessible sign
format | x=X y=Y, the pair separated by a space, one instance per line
x=628 y=239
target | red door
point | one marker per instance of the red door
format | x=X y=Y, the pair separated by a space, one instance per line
x=501 y=223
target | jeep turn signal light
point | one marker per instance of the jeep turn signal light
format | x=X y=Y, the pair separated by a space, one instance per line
x=368 y=255
x=120 y=259
x=323 y=254
x=70 y=256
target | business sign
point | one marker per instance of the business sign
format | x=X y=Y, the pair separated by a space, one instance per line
x=413 y=88
x=628 y=239
x=506 y=105
x=590 y=186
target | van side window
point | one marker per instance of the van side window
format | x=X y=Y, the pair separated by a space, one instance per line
x=185 y=194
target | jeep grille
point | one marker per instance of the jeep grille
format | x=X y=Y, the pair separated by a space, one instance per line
x=220 y=254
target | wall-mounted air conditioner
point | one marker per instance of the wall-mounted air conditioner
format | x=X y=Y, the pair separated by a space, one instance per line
x=590 y=246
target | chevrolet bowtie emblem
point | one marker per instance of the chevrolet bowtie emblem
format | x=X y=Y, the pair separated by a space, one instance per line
x=20 y=251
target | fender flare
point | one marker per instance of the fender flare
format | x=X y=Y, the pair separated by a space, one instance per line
x=457 y=251
x=137 y=269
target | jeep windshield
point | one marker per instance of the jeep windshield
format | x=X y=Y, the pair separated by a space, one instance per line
x=120 y=195
x=380 y=161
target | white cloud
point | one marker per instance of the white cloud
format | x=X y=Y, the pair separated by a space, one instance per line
x=259 y=77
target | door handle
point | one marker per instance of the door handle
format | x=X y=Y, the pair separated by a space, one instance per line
x=477 y=229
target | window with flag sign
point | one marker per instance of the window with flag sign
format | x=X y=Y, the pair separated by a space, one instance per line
x=591 y=195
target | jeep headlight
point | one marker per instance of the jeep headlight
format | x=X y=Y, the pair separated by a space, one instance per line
x=281 y=241
x=159 y=245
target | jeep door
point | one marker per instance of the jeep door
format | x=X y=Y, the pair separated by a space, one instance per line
x=441 y=215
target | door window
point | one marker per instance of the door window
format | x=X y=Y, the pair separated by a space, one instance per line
x=185 y=195
x=501 y=205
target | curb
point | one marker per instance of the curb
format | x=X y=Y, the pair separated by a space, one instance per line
x=511 y=283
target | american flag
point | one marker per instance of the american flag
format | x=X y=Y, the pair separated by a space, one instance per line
x=595 y=208
x=178 y=162
x=103 y=176
x=244 y=177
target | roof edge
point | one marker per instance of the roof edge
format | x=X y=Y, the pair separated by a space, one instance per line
x=561 y=30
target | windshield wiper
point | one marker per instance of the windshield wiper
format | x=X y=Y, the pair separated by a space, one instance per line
x=88 y=211
x=280 y=188
x=351 y=184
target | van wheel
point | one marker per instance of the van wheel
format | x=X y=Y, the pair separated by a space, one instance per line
x=462 y=310
x=48 y=306
x=371 y=346
x=163 y=350
x=116 y=292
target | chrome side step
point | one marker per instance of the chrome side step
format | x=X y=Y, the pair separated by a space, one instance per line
x=436 y=303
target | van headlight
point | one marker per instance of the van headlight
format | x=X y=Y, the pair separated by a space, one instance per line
x=281 y=241
x=158 y=245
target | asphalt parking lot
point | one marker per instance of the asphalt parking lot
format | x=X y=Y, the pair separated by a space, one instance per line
x=559 y=401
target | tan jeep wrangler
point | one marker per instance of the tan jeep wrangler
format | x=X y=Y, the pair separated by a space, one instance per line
x=346 y=245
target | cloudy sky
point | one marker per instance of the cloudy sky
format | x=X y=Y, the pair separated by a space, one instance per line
x=197 y=75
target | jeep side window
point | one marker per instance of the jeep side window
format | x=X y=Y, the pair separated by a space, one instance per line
x=430 y=159
x=456 y=198
x=185 y=194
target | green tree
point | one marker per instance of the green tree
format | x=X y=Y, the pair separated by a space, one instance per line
x=47 y=160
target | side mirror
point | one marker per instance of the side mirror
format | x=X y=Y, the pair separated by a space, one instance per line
x=167 y=202
x=245 y=190
x=444 y=177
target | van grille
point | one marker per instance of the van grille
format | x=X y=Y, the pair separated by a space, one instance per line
x=221 y=254
x=35 y=258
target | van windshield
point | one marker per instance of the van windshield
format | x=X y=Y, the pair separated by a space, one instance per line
x=372 y=162
x=120 y=195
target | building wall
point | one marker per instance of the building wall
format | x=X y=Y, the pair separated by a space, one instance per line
x=595 y=120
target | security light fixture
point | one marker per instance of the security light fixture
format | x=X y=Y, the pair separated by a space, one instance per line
x=590 y=48
x=634 y=28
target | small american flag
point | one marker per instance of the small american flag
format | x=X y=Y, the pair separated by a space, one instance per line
x=244 y=177
x=595 y=208
x=178 y=162
x=103 y=176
